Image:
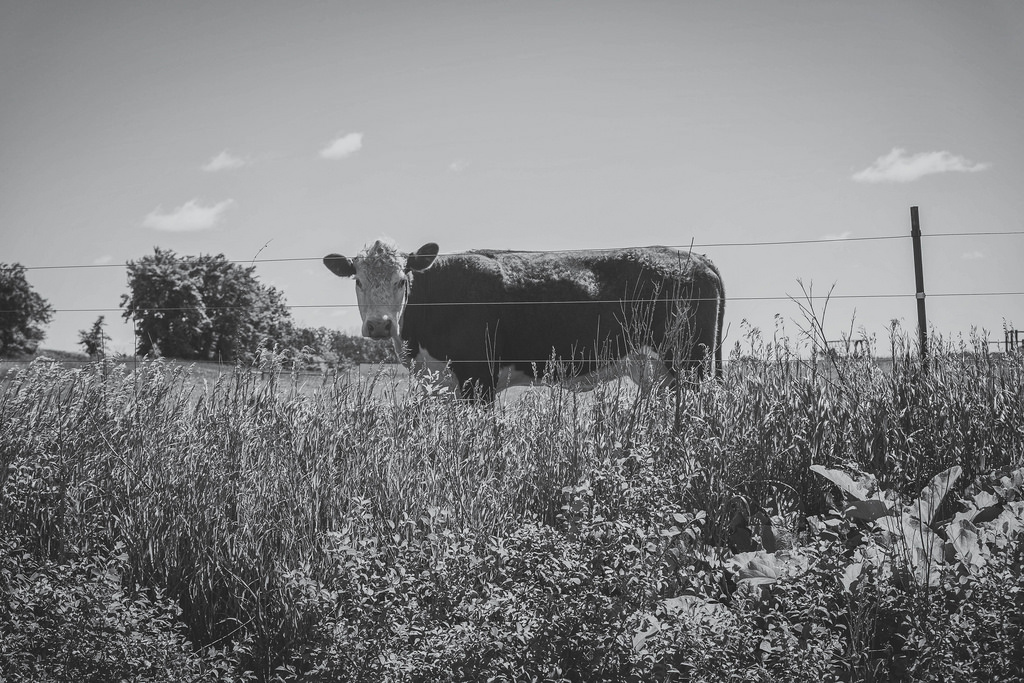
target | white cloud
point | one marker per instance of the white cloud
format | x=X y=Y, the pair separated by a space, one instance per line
x=972 y=255
x=225 y=161
x=342 y=147
x=188 y=217
x=458 y=166
x=841 y=236
x=900 y=167
x=102 y=260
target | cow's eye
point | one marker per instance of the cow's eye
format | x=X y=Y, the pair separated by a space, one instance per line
x=400 y=283
x=359 y=285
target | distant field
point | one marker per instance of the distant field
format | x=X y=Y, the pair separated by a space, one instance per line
x=387 y=379
x=210 y=372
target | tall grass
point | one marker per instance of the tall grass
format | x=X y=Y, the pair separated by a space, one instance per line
x=237 y=498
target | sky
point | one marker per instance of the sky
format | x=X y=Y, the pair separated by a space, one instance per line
x=290 y=130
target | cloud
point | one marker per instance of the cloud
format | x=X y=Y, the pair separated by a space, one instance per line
x=972 y=255
x=342 y=147
x=225 y=161
x=841 y=236
x=188 y=217
x=102 y=260
x=458 y=166
x=900 y=167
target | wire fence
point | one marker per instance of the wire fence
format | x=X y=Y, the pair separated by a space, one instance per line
x=759 y=243
x=564 y=302
x=702 y=245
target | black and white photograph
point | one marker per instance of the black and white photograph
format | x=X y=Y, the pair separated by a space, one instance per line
x=485 y=340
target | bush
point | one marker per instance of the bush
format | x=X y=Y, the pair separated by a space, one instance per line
x=74 y=621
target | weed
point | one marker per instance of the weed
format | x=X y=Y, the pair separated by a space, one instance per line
x=362 y=529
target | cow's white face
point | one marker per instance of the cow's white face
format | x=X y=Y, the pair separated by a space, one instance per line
x=382 y=276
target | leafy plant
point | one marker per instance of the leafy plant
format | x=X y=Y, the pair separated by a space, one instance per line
x=75 y=621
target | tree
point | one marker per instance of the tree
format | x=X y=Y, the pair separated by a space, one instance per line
x=362 y=350
x=94 y=340
x=23 y=313
x=201 y=308
x=333 y=348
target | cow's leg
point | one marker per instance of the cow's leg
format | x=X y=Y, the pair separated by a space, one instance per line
x=434 y=370
x=510 y=376
x=474 y=380
x=648 y=371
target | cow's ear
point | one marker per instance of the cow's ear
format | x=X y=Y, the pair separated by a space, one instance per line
x=341 y=266
x=423 y=258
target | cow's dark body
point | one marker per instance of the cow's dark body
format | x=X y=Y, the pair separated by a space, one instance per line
x=486 y=310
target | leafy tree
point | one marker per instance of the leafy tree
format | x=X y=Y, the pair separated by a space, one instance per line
x=334 y=348
x=23 y=313
x=201 y=308
x=94 y=340
x=361 y=349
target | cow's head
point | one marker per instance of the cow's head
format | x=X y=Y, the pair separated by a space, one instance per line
x=382 y=275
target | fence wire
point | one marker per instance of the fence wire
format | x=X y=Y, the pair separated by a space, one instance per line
x=703 y=245
x=811 y=297
x=622 y=301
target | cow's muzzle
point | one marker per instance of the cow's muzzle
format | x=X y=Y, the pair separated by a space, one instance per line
x=377 y=329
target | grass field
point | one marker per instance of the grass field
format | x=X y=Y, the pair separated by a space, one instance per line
x=797 y=521
x=210 y=372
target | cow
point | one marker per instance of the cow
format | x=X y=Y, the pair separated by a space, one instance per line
x=504 y=318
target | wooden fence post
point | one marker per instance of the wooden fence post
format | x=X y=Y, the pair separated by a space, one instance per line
x=922 y=319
